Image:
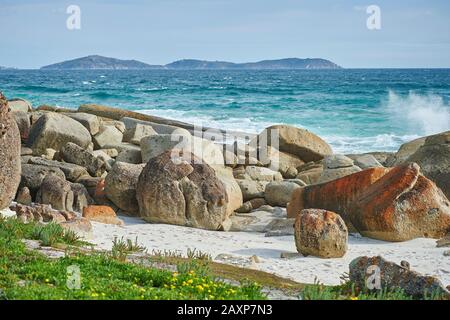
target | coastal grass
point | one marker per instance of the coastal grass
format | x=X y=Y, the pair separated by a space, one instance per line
x=30 y=275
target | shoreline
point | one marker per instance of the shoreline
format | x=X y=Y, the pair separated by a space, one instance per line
x=290 y=206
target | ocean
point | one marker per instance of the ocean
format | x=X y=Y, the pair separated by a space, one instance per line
x=355 y=110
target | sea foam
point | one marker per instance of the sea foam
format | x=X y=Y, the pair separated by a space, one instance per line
x=423 y=114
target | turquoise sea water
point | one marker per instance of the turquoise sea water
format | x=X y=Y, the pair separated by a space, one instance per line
x=353 y=110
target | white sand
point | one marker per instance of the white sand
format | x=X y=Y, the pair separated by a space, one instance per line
x=422 y=254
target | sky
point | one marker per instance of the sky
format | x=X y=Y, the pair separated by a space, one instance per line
x=413 y=34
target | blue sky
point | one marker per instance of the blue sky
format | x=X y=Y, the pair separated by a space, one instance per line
x=414 y=33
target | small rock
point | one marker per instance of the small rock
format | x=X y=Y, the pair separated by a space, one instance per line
x=24 y=196
x=102 y=214
x=320 y=233
x=290 y=255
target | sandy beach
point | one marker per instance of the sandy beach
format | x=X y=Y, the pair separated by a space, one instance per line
x=422 y=254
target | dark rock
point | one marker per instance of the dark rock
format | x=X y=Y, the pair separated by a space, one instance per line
x=363 y=272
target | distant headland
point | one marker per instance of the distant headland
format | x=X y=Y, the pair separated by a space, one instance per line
x=94 y=62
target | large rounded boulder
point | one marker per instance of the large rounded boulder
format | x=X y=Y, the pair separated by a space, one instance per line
x=53 y=130
x=178 y=188
x=400 y=206
x=433 y=157
x=9 y=155
x=299 y=142
x=120 y=186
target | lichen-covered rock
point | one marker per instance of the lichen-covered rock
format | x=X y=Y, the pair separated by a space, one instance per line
x=120 y=186
x=320 y=233
x=401 y=205
x=55 y=192
x=54 y=130
x=10 y=162
x=102 y=214
x=181 y=191
x=73 y=153
x=376 y=273
x=337 y=195
x=395 y=204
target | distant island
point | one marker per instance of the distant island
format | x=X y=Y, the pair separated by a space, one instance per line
x=96 y=62
x=6 y=68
